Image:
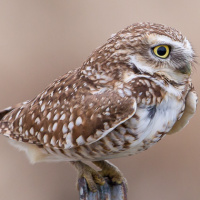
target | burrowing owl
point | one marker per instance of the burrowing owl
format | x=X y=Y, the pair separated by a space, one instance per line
x=127 y=95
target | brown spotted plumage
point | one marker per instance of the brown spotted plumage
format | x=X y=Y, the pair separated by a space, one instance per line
x=128 y=94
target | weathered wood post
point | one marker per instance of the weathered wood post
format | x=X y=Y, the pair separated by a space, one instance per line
x=106 y=192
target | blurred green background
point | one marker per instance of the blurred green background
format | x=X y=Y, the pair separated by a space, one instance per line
x=43 y=39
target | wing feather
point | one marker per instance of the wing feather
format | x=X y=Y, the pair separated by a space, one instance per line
x=68 y=115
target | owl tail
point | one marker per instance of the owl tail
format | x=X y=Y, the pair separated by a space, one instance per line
x=5 y=111
x=5 y=128
x=4 y=124
x=9 y=109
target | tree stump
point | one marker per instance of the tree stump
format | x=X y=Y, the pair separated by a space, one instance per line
x=108 y=191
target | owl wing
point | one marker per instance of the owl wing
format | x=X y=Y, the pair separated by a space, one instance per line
x=64 y=122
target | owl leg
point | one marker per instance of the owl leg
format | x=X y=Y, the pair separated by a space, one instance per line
x=111 y=171
x=92 y=177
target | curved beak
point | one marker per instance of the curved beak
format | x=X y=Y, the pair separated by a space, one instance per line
x=186 y=69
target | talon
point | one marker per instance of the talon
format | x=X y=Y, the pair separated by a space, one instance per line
x=111 y=171
x=91 y=176
x=99 y=179
x=117 y=180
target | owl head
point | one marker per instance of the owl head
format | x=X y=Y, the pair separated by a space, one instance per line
x=146 y=48
x=162 y=50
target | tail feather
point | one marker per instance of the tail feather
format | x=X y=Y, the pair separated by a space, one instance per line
x=9 y=109
x=5 y=111
x=5 y=128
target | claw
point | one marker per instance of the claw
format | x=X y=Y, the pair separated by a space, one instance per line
x=111 y=171
x=91 y=176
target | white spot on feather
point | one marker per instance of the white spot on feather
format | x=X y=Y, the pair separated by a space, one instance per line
x=90 y=139
x=56 y=117
x=121 y=93
x=20 y=129
x=55 y=126
x=66 y=88
x=26 y=133
x=53 y=141
x=62 y=117
x=45 y=138
x=69 y=141
x=43 y=107
x=80 y=140
x=127 y=91
x=78 y=121
x=17 y=115
x=37 y=120
x=32 y=131
x=20 y=121
x=39 y=136
x=64 y=129
x=71 y=125
x=49 y=116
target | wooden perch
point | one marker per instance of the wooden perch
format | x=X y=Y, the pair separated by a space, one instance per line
x=106 y=192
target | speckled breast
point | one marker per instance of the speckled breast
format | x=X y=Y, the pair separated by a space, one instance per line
x=145 y=128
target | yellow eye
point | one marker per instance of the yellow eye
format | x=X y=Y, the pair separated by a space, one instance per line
x=162 y=51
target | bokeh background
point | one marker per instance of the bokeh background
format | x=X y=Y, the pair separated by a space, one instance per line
x=43 y=39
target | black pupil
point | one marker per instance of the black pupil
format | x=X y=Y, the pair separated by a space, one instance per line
x=161 y=51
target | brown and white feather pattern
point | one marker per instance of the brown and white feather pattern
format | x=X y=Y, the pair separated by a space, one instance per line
x=120 y=102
